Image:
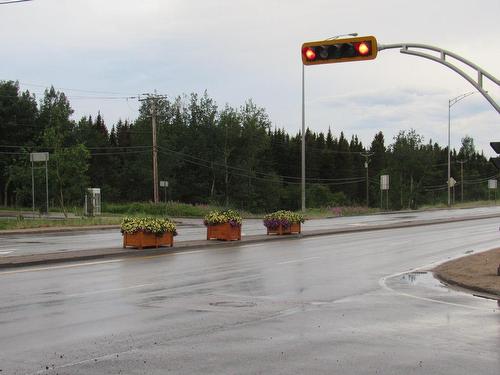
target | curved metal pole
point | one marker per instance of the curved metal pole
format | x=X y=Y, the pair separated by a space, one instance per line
x=442 y=60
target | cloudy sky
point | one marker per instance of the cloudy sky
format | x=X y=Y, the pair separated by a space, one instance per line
x=94 y=50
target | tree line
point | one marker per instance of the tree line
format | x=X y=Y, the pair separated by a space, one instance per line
x=222 y=155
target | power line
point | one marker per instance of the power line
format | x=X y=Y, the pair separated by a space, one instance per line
x=83 y=97
x=208 y=165
x=257 y=172
x=71 y=89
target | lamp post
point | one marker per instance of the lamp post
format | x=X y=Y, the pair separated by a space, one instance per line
x=303 y=148
x=451 y=103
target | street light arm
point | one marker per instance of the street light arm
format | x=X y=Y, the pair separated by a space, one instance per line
x=477 y=83
x=455 y=100
x=338 y=36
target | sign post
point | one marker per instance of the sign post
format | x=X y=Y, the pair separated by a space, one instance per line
x=492 y=185
x=384 y=185
x=39 y=157
x=165 y=185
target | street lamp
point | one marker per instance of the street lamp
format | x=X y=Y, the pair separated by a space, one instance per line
x=303 y=156
x=451 y=103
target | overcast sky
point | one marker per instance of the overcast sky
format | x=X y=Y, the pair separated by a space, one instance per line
x=237 y=50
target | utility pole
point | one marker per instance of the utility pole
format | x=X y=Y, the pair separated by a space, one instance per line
x=462 y=162
x=155 y=153
x=152 y=100
x=367 y=155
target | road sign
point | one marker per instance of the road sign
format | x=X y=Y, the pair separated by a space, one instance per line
x=492 y=184
x=39 y=156
x=163 y=183
x=496 y=161
x=452 y=182
x=384 y=182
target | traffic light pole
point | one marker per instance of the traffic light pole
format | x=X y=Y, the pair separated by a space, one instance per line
x=303 y=151
x=481 y=73
x=368 y=53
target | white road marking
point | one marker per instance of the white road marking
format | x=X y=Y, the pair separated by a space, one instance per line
x=189 y=252
x=6 y=252
x=299 y=260
x=253 y=245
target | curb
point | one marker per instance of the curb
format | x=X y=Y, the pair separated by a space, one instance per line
x=81 y=255
x=470 y=288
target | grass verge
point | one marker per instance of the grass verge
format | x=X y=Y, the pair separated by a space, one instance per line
x=11 y=224
x=476 y=272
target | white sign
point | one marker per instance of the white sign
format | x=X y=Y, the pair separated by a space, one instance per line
x=39 y=156
x=164 y=183
x=452 y=182
x=492 y=184
x=384 y=182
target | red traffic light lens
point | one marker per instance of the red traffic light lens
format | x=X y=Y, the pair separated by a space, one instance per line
x=309 y=53
x=363 y=48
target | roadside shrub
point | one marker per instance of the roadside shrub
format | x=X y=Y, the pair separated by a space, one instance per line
x=220 y=217
x=283 y=218
x=153 y=225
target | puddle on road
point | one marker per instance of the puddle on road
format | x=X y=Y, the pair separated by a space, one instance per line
x=424 y=284
x=421 y=278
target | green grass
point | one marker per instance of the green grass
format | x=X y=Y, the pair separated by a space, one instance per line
x=172 y=209
x=470 y=204
x=318 y=213
x=18 y=223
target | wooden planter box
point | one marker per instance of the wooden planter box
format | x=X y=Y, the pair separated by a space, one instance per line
x=225 y=232
x=293 y=228
x=141 y=239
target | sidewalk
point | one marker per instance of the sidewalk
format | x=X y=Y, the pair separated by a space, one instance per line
x=309 y=230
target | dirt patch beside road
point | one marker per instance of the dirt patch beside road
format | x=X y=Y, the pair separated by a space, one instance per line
x=477 y=272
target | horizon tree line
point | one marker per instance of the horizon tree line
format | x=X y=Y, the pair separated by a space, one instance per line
x=221 y=155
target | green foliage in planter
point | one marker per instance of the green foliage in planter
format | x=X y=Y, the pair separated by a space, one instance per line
x=283 y=218
x=221 y=217
x=154 y=225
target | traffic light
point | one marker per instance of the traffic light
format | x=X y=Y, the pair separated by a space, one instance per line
x=496 y=161
x=339 y=50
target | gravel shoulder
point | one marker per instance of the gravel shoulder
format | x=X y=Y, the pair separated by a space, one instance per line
x=477 y=272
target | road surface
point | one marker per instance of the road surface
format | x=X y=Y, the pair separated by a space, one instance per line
x=342 y=304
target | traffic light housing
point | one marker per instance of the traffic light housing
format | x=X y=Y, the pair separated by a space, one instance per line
x=496 y=161
x=339 y=50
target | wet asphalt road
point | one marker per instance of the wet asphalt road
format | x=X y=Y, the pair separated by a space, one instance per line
x=340 y=304
x=24 y=244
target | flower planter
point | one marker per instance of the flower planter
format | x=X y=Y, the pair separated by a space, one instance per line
x=224 y=232
x=293 y=228
x=141 y=239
